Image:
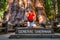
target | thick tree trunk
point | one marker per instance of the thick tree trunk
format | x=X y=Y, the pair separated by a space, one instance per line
x=56 y=9
x=36 y=5
x=39 y=6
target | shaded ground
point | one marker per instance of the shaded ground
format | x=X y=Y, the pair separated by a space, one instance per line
x=5 y=37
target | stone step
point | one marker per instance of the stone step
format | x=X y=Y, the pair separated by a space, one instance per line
x=17 y=36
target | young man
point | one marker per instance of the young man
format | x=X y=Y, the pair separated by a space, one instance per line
x=30 y=18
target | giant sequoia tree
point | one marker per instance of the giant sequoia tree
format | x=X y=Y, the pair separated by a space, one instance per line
x=14 y=6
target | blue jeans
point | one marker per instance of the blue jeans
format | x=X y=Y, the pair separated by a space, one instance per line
x=30 y=24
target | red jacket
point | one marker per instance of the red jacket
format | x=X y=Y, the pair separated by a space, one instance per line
x=31 y=15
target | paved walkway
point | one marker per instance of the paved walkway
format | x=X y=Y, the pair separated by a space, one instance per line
x=5 y=37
